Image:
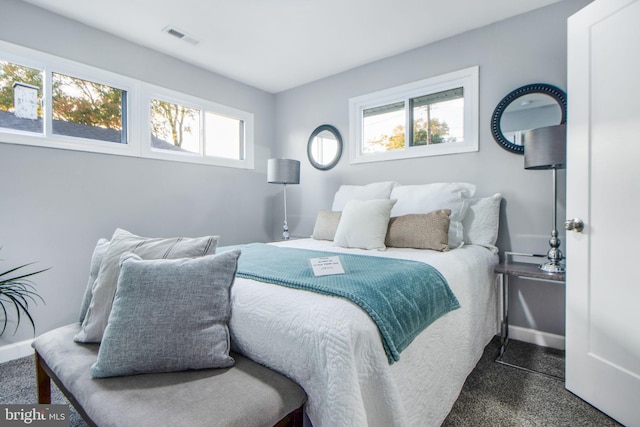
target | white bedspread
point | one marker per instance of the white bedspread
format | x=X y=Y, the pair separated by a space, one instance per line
x=333 y=349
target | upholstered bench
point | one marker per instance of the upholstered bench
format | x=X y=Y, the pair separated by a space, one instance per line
x=247 y=394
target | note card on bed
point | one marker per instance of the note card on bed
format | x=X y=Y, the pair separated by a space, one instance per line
x=326 y=265
x=402 y=297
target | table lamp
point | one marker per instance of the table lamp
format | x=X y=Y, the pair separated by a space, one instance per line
x=283 y=171
x=546 y=148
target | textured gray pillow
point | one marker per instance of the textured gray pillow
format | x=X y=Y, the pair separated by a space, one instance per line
x=169 y=315
x=326 y=225
x=147 y=248
x=420 y=231
x=96 y=260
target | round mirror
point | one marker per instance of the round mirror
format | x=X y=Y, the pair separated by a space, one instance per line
x=324 y=147
x=528 y=107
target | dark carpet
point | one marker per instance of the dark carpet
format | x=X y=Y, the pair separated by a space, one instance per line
x=499 y=395
x=493 y=395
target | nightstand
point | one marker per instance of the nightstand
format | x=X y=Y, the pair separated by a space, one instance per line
x=526 y=270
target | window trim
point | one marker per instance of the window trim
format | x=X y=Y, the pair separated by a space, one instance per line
x=137 y=112
x=95 y=75
x=149 y=91
x=467 y=78
x=50 y=63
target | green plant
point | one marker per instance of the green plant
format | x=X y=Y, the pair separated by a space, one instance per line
x=17 y=290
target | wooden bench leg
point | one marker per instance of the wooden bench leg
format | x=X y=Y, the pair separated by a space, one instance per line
x=43 y=382
x=294 y=419
x=298 y=417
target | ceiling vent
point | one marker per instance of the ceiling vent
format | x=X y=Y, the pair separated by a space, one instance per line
x=179 y=34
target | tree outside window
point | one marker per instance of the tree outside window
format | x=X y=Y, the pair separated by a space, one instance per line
x=175 y=124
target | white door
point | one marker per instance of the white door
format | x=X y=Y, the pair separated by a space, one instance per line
x=603 y=189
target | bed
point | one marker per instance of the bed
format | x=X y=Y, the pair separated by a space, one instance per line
x=332 y=348
x=326 y=344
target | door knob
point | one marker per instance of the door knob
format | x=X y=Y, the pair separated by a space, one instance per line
x=574 y=224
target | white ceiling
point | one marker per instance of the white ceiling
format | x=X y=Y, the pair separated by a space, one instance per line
x=275 y=45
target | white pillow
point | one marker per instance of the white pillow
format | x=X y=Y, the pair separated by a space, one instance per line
x=326 y=225
x=363 y=224
x=421 y=199
x=376 y=190
x=482 y=221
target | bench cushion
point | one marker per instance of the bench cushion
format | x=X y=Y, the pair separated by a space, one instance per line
x=247 y=394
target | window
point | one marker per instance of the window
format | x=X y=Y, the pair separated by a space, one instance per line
x=42 y=105
x=383 y=128
x=86 y=109
x=426 y=118
x=438 y=118
x=198 y=130
x=52 y=102
x=174 y=127
x=20 y=97
x=180 y=128
x=224 y=136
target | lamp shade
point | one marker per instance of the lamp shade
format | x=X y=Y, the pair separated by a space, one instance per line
x=546 y=148
x=283 y=171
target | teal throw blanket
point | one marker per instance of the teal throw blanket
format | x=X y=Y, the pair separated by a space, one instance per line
x=402 y=297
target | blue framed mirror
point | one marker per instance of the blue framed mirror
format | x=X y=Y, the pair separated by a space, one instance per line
x=528 y=107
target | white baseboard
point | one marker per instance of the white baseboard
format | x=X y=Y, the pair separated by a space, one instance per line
x=15 y=350
x=533 y=336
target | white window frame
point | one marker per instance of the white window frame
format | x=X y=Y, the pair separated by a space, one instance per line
x=467 y=78
x=50 y=63
x=137 y=110
x=149 y=91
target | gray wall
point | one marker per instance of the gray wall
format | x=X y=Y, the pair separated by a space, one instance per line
x=55 y=204
x=530 y=48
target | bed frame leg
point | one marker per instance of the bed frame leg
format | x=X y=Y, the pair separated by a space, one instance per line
x=43 y=382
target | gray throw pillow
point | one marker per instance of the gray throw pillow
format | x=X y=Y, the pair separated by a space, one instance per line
x=122 y=241
x=96 y=260
x=169 y=315
x=420 y=231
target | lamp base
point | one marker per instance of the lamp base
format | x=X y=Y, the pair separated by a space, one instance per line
x=555 y=257
x=552 y=267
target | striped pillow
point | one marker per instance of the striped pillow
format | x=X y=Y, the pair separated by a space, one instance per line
x=96 y=261
x=122 y=241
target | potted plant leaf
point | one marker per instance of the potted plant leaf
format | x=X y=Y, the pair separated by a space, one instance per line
x=17 y=291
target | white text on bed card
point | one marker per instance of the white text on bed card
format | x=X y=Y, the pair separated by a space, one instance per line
x=325 y=266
